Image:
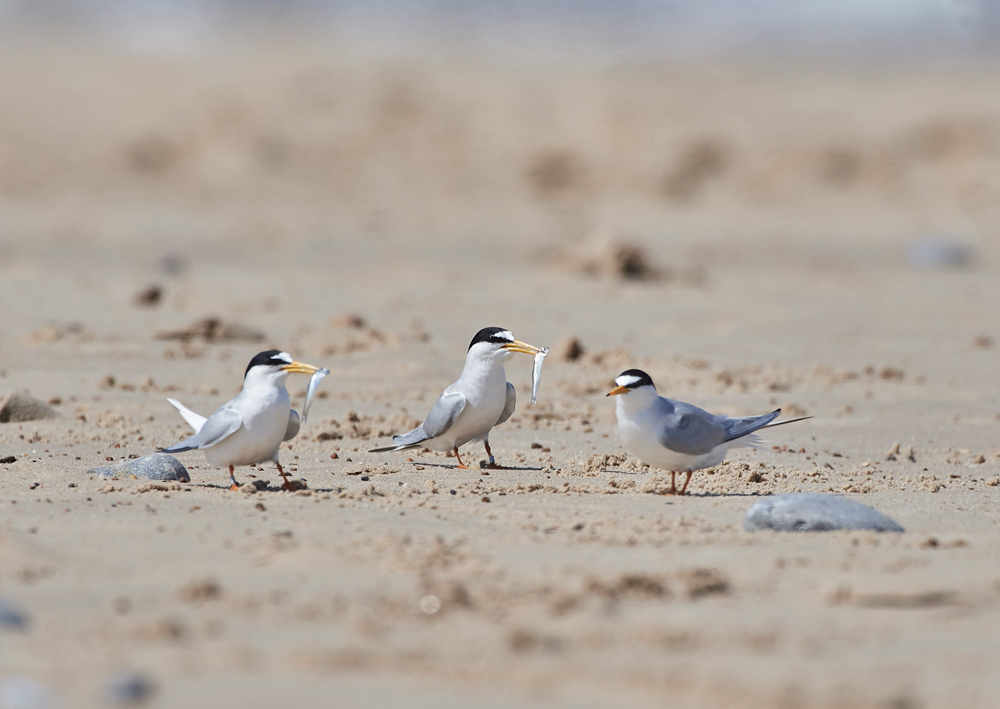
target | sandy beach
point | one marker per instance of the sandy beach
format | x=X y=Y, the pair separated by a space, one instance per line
x=750 y=234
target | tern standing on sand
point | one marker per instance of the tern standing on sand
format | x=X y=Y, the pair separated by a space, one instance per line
x=676 y=436
x=250 y=428
x=469 y=408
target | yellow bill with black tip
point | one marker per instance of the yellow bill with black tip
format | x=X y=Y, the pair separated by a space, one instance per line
x=300 y=368
x=617 y=390
x=518 y=346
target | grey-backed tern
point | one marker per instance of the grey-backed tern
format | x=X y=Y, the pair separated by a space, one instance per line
x=249 y=429
x=469 y=408
x=676 y=436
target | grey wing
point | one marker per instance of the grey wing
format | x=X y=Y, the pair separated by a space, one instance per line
x=691 y=431
x=293 y=425
x=443 y=414
x=221 y=424
x=739 y=427
x=508 y=407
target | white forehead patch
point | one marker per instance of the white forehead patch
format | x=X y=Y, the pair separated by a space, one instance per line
x=626 y=380
x=283 y=356
x=506 y=335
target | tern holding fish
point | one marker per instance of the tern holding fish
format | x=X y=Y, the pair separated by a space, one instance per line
x=679 y=437
x=480 y=399
x=250 y=428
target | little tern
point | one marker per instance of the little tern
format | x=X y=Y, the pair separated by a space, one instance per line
x=249 y=429
x=676 y=436
x=469 y=408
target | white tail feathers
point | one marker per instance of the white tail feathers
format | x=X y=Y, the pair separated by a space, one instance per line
x=195 y=421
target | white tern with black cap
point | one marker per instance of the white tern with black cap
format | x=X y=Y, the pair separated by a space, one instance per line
x=679 y=437
x=249 y=429
x=469 y=408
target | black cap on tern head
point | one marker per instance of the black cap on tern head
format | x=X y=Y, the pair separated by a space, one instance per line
x=271 y=358
x=496 y=335
x=633 y=379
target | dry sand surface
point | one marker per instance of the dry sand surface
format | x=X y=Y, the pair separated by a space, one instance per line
x=769 y=209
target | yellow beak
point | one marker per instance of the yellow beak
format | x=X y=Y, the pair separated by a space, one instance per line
x=617 y=390
x=300 y=368
x=518 y=346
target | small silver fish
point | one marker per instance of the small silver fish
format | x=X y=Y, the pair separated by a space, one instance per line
x=314 y=381
x=536 y=373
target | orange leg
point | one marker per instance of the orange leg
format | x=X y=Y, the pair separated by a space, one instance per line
x=232 y=478
x=460 y=463
x=686 y=481
x=286 y=485
x=673 y=482
x=493 y=464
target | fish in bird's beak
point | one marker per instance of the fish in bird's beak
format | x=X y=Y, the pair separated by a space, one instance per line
x=300 y=368
x=518 y=346
x=616 y=391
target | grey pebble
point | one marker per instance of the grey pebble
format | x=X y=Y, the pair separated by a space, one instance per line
x=158 y=466
x=11 y=618
x=814 y=512
x=939 y=252
x=129 y=688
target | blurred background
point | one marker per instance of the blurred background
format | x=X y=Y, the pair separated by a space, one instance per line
x=762 y=203
x=351 y=143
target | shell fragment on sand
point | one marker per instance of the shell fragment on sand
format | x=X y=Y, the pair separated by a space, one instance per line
x=314 y=381
x=536 y=373
x=158 y=466
x=814 y=512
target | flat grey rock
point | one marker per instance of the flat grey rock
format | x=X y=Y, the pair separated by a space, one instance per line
x=158 y=466
x=814 y=512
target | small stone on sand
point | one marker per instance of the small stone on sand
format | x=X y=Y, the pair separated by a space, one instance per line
x=568 y=349
x=128 y=688
x=21 y=406
x=939 y=252
x=12 y=618
x=814 y=512
x=149 y=296
x=348 y=320
x=158 y=466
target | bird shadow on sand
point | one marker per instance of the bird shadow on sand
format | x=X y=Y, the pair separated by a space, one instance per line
x=689 y=493
x=475 y=469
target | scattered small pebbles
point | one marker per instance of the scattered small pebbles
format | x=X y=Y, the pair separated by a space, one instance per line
x=814 y=512
x=158 y=466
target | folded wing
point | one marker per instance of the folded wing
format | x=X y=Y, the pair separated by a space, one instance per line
x=508 y=407
x=441 y=417
x=293 y=425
